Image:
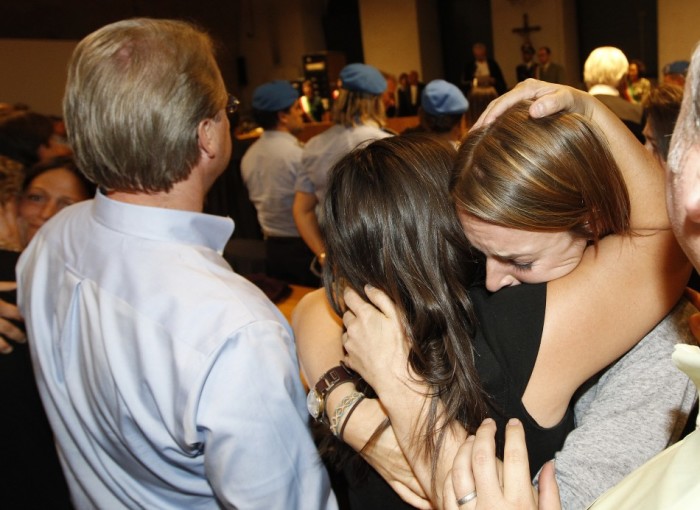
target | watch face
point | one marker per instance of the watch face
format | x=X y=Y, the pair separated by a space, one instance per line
x=313 y=404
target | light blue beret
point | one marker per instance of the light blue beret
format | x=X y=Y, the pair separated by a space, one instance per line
x=442 y=98
x=677 y=67
x=362 y=78
x=274 y=96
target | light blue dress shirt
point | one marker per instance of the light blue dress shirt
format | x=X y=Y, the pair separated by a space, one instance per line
x=269 y=169
x=326 y=149
x=169 y=381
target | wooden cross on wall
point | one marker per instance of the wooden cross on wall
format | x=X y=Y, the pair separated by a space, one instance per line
x=525 y=30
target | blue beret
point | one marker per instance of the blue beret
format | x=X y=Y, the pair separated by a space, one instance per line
x=677 y=67
x=362 y=78
x=274 y=96
x=442 y=98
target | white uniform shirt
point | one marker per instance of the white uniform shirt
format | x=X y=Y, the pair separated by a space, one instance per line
x=269 y=169
x=325 y=149
x=169 y=381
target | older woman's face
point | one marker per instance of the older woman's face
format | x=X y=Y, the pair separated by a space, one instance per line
x=47 y=194
x=683 y=201
x=519 y=256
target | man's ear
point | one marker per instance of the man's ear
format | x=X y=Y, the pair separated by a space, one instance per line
x=282 y=118
x=206 y=136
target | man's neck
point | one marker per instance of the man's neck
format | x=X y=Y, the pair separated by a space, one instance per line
x=185 y=195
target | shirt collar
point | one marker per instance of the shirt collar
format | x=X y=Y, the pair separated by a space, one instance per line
x=184 y=227
x=603 y=90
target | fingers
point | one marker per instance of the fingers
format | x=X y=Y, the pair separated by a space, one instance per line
x=9 y=311
x=449 y=499
x=381 y=301
x=694 y=323
x=517 y=485
x=5 y=286
x=462 y=479
x=484 y=462
x=9 y=331
x=549 y=490
x=693 y=296
x=548 y=98
x=410 y=497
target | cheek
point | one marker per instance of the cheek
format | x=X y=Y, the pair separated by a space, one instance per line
x=27 y=211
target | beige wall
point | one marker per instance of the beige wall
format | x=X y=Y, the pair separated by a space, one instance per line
x=402 y=35
x=398 y=35
x=34 y=72
x=274 y=36
x=679 y=29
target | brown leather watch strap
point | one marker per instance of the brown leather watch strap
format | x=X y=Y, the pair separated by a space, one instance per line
x=334 y=377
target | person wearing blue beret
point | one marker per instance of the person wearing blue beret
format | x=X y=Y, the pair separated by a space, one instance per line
x=358 y=117
x=269 y=170
x=441 y=112
x=675 y=72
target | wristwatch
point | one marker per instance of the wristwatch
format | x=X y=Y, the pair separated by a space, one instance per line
x=316 y=399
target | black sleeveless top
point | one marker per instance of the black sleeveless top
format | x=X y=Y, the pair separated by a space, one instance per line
x=506 y=346
x=509 y=332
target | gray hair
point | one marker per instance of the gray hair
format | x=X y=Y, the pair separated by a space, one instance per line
x=605 y=66
x=136 y=93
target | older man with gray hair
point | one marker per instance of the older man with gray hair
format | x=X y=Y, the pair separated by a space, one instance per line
x=169 y=381
x=603 y=71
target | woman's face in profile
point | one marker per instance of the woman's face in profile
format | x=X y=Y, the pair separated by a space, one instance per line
x=48 y=193
x=516 y=256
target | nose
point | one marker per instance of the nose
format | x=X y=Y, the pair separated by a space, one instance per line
x=498 y=275
x=49 y=209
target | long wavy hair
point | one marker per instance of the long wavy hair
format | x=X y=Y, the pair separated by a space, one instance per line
x=388 y=221
x=553 y=174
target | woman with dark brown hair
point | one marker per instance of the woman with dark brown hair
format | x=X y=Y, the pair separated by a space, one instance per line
x=530 y=363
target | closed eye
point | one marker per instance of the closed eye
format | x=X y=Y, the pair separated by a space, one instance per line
x=521 y=266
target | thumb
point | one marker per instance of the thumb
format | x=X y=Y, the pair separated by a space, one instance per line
x=549 y=490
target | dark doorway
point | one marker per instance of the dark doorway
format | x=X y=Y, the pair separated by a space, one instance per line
x=342 y=29
x=630 y=25
x=463 y=23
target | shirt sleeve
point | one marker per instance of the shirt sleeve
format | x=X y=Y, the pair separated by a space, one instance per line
x=637 y=407
x=257 y=446
x=304 y=182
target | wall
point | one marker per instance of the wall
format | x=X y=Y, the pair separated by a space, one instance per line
x=34 y=72
x=678 y=30
x=557 y=30
x=390 y=35
x=273 y=36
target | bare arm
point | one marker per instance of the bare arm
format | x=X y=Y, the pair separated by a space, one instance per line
x=304 y=211
x=318 y=337
x=377 y=348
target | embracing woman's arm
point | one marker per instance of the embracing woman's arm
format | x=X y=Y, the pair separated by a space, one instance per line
x=318 y=338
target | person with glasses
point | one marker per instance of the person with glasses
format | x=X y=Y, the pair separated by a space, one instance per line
x=169 y=380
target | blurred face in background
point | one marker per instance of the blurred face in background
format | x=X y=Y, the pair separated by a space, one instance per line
x=47 y=194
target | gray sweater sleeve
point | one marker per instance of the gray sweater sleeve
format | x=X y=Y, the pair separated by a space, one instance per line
x=637 y=407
